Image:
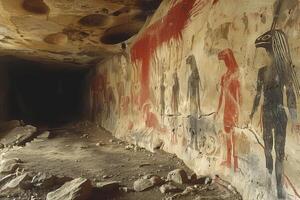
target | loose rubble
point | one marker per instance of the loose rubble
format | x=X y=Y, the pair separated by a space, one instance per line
x=16 y=183
x=44 y=135
x=178 y=176
x=142 y=184
x=108 y=186
x=8 y=166
x=169 y=187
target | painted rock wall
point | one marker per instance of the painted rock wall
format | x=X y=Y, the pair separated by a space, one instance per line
x=196 y=83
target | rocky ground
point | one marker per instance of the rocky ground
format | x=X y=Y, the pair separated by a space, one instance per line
x=83 y=162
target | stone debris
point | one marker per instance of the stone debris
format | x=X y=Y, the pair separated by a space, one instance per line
x=193 y=178
x=100 y=143
x=8 y=166
x=111 y=140
x=125 y=189
x=169 y=188
x=85 y=136
x=178 y=176
x=15 y=184
x=45 y=135
x=208 y=180
x=6 y=178
x=108 y=186
x=202 y=180
x=84 y=146
x=120 y=142
x=26 y=136
x=19 y=135
x=77 y=189
x=156 y=181
x=146 y=176
x=129 y=147
x=188 y=190
x=107 y=176
x=142 y=185
x=45 y=181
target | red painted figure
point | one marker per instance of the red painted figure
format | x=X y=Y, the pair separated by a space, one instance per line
x=230 y=92
x=151 y=120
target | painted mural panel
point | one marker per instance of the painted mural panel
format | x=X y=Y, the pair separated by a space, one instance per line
x=216 y=85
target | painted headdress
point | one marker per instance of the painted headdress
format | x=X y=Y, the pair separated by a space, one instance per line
x=276 y=42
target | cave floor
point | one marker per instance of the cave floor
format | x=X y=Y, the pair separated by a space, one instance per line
x=91 y=152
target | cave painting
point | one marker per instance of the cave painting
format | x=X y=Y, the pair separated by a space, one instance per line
x=121 y=94
x=151 y=120
x=194 y=83
x=175 y=94
x=231 y=96
x=271 y=81
x=162 y=96
x=174 y=107
x=110 y=102
x=246 y=23
x=98 y=93
x=193 y=98
x=162 y=31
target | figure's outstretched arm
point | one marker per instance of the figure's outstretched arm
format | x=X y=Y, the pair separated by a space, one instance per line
x=258 y=93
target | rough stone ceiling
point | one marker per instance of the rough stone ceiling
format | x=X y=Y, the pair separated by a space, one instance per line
x=70 y=31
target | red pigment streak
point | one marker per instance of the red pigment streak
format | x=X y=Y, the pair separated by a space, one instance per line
x=162 y=31
x=99 y=83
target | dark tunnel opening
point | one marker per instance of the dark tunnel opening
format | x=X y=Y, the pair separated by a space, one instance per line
x=44 y=94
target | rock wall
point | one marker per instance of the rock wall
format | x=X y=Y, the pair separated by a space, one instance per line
x=189 y=82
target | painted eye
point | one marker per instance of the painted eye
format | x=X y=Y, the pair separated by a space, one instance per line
x=266 y=37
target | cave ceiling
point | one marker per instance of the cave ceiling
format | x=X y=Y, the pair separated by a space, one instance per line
x=79 y=32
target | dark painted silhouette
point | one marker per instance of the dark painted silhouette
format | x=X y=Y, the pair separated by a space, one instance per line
x=162 y=96
x=193 y=96
x=175 y=94
x=271 y=82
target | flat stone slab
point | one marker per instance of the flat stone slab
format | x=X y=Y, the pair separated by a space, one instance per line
x=16 y=183
x=77 y=189
x=109 y=186
x=142 y=184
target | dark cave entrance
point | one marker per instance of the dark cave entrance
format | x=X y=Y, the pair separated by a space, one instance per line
x=45 y=94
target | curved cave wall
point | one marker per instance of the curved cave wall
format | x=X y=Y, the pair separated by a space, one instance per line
x=188 y=84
